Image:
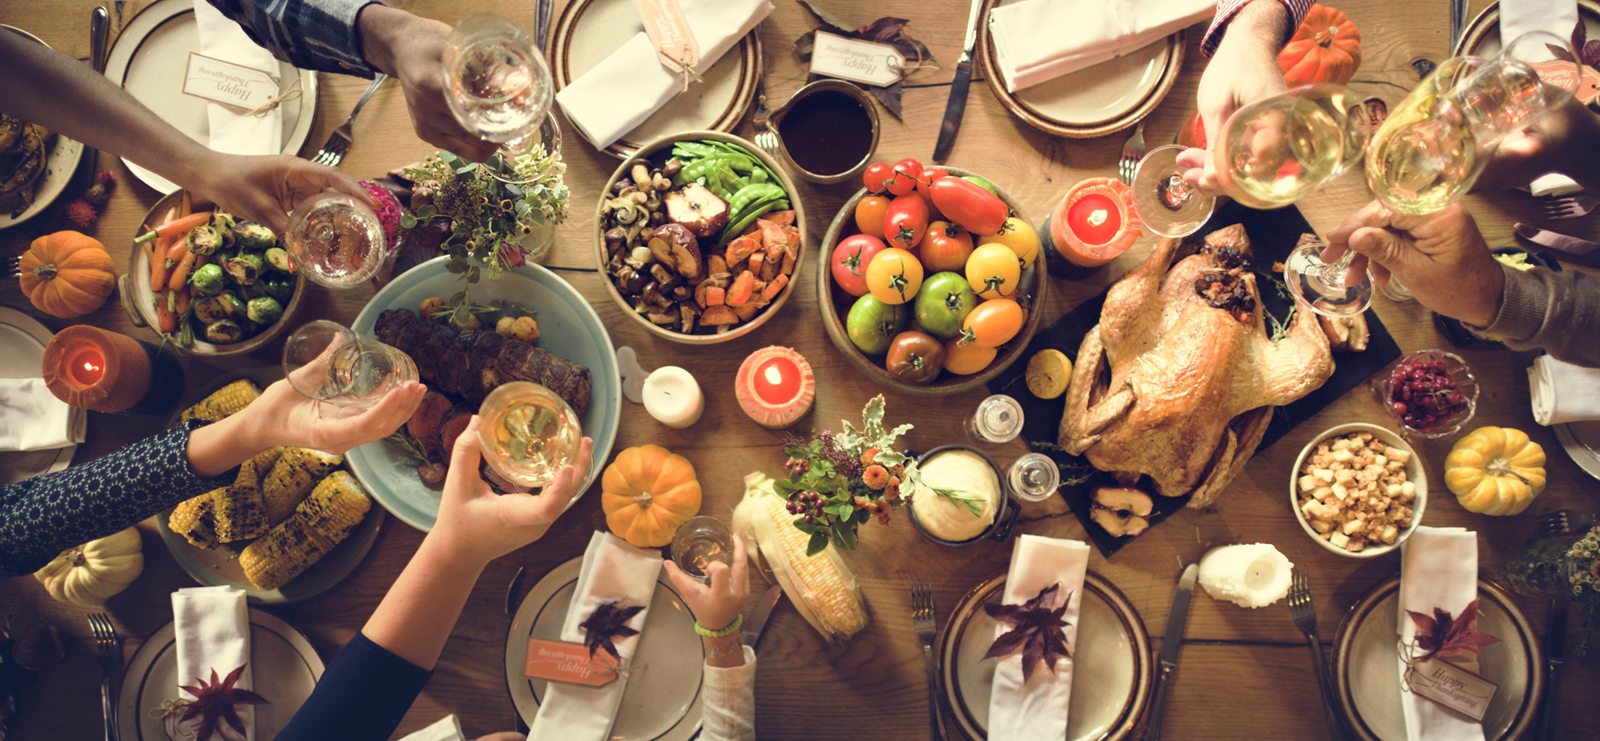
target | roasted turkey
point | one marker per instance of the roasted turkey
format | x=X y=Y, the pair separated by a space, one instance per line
x=1178 y=380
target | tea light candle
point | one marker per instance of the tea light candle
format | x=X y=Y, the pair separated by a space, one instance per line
x=1095 y=223
x=91 y=368
x=673 y=397
x=775 y=387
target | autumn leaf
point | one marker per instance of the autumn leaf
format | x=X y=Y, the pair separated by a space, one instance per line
x=217 y=701
x=606 y=623
x=1036 y=630
x=1442 y=634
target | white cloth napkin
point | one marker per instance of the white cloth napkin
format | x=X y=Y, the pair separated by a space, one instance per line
x=232 y=130
x=212 y=625
x=625 y=88
x=32 y=418
x=1559 y=17
x=1040 y=40
x=1562 y=392
x=1438 y=569
x=612 y=571
x=447 y=728
x=1037 y=708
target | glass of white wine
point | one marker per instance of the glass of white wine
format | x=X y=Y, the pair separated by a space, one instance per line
x=336 y=240
x=528 y=433
x=499 y=88
x=329 y=362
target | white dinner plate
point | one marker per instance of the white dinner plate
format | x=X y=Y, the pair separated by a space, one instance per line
x=59 y=166
x=1582 y=443
x=149 y=60
x=1112 y=673
x=662 y=700
x=282 y=662
x=1481 y=37
x=1366 y=664
x=22 y=341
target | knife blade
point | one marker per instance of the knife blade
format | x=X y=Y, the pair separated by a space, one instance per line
x=99 y=36
x=1171 y=642
x=1555 y=652
x=1556 y=240
x=541 y=22
x=956 y=105
x=757 y=624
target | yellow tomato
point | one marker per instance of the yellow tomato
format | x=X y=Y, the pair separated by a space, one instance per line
x=1019 y=236
x=993 y=271
x=894 y=276
x=993 y=323
x=967 y=359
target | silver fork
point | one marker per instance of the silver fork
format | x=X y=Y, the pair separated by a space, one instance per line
x=1566 y=522
x=338 y=144
x=765 y=137
x=1569 y=207
x=1132 y=151
x=922 y=620
x=14 y=266
x=1305 y=618
x=108 y=649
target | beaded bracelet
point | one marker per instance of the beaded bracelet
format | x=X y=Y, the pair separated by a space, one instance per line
x=729 y=630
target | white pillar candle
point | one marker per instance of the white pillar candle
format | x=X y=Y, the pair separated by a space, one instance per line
x=672 y=397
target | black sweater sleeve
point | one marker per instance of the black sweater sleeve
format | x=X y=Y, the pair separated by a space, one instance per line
x=364 y=694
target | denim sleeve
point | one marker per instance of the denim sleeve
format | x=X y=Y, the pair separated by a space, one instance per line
x=310 y=34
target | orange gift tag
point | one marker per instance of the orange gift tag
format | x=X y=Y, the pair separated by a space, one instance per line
x=669 y=31
x=1584 y=82
x=559 y=661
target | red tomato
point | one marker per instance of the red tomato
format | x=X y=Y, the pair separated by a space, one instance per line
x=969 y=205
x=914 y=357
x=905 y=221
x=850 y=260
x=876 y=176
x=869 y=214
x=929 y=177
x=906 y=174
x=945 y=247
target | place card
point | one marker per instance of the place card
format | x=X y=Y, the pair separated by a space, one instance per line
x=669 y=30
x=560 y=661
x=227 y=83
x=866 y=62
x=1453 y=687
x=1584 y=84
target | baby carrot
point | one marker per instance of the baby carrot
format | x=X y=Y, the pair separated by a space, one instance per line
x=166 y=320
x=181 y=273
x=184 y=297
x=176 y=226
x=159 y=268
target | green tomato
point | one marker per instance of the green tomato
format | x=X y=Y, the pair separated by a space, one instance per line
x=944 y=303
x=981 y=182
x=872 y=323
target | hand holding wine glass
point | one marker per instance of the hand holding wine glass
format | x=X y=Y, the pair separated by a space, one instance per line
x=1441 y=257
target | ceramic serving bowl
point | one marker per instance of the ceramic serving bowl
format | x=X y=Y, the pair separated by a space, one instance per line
x=1005 y=512
x=836 y=86
x=835 y=304
x=1415 y=472
x=133 y=288
x=657 y=152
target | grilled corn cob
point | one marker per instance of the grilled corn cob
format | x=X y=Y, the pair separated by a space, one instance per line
x=195 y=520
x=291 y=476
x=240 y=511
x=820 y=586
x=224 y=401
x=321 y=522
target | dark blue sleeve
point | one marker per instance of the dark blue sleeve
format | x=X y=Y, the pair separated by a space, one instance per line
x=45 y=515
x=310 y=34
x=364 y=694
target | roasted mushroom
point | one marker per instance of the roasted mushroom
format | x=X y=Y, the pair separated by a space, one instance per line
x=674 y=245
x=694 y=206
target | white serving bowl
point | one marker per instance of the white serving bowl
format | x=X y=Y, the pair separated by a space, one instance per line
x=1415 y=472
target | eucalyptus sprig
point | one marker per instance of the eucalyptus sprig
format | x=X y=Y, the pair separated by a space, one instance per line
x=488 y=217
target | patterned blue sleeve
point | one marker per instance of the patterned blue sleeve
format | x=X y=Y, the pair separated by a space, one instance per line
x=45 y=515
x=310 y=34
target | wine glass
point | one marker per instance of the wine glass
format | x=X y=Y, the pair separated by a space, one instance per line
x=328 y=362
x=1167 y=204
x=698 y=543
x=499 y=87
x=528 y=433
x=336 y=240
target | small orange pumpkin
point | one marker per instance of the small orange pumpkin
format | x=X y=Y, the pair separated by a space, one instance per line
x=67 y=274
x=646 y=493
x=1325 y=48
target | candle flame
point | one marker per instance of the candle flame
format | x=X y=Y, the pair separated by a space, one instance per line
x=1098 y=216
x=773 y=375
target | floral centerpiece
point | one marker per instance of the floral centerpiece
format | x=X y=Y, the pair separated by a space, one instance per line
x=481 y=221
x=1563 y=567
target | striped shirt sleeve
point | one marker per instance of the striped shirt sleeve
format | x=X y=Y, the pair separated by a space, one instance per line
x=1227 y=9
x=310 y=34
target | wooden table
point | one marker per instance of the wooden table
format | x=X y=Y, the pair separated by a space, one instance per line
x=1244 y=674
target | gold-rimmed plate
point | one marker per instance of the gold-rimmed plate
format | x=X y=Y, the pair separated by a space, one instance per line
x=1481 y=37
x=1112 y=669
x=589 y=30
x=60 y=163
x=22 y=343
x=1366 y=664
x=1092 y=102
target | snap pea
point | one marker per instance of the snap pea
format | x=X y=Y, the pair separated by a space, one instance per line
x=759 y=176
x=755 y=210
x=750 y=194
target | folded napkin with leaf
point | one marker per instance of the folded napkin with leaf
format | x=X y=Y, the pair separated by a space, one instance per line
x=35 y=419
x=1562 y=392
x=1439 y=582
x=1036 y=638
x=212 y=628
x=1037 y=41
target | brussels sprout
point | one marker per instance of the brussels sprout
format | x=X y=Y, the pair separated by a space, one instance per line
x=205 y=240
x=210 y=309
x=224 y=331
x=264 y=310
x=278 y=286
x=252 y=236
x=208 y=280
x=245 y=268
x=278 y=259
x=232 y=306
x=223 y=223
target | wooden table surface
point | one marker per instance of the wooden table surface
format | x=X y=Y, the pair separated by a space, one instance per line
x=1244 y=674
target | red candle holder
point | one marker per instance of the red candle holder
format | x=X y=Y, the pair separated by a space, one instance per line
x=1095 y=223
x=775 y=387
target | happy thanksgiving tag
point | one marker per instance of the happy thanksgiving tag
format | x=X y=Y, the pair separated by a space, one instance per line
x=866 y=62
x=669 y=30
x=1453 y=687
x=559 y=661
x=227 y=83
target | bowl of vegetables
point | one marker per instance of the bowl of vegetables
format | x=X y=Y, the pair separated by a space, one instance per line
x=701 y=236
x=208 y=282
x=931 y=279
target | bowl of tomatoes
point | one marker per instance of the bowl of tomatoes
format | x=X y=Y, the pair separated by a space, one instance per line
x=931 y=276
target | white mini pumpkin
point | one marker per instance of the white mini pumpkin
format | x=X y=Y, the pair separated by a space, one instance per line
x=96 y=571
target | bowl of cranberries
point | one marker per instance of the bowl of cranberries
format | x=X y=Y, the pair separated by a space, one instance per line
x=1430 y=393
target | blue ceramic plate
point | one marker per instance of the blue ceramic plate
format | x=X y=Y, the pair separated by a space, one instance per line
x=568 y=327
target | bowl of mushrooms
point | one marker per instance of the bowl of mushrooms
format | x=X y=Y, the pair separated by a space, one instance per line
x=1358 y=490
x=701 y=237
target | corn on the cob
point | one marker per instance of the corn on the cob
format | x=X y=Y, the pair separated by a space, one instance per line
x=820 y=586
x=321 y=522
x=224 y=401
x=294 y=473
x=194 y=520
x=239 y=512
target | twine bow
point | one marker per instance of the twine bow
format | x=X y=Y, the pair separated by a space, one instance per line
x=284 y=94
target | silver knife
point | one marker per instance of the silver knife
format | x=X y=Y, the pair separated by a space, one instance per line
x=1458 y=18
x=757 y=624
x=541 y=23
x=1555 y=652
x=957 y=104
x=1171 y=641
x=99 y=36
x=1556 y=240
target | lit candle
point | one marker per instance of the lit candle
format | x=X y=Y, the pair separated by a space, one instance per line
x=91 y=368
x=673 y=397
x=775 y=387
x=1095 y=223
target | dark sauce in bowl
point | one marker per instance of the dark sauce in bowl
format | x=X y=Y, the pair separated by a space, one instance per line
x=827 y=132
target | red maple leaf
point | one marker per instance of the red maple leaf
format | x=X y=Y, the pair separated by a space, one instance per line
x=216 y=701
x=606 y=623
x=1443 y=634
x=1036 y=630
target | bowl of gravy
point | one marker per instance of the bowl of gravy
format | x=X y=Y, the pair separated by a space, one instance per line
x=827 y=131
